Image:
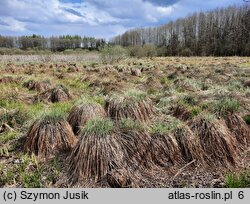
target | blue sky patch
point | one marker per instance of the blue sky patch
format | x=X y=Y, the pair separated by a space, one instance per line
x=97 y=18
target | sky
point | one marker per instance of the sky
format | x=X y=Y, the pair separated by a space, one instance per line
x=95 y=18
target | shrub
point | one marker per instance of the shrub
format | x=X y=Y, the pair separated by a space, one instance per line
x=150 y=50
x=145 y=51
x=186 y=52
x=162 y=51
x=136 y=51
x=111 y=54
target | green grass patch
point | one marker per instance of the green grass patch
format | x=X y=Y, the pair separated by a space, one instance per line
x=241 y=180
x=225 y=106
x=235 y=86
x=130 y=124
x=136 y=95
x=165 y=127
x=29 y=173
x=195 y=111
x=100 y=127
x=6 y=137
x=15 y=118
x=247 y=119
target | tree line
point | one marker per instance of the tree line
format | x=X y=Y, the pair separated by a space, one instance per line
x=221 y=32
x=54 y=43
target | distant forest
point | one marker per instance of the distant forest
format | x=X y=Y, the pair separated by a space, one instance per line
x=221 y=32
x=59 y=43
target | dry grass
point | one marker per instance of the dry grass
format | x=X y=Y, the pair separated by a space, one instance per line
x=96 y=153
x=190 y=146
x=239 y=129
x=165 y=150
x=119 y=179
x=131 y=105
x=37 y=85
x=216 y=140
x=159 y=134
x=8 y=79
x=49 y=136
x=81 y=114
x=57 y=94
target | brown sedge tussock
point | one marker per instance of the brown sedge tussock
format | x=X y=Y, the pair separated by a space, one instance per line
x=81 y=114
x=49 y=136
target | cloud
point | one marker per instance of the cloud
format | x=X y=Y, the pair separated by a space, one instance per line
x=98 y=18
x=74 y=12
x=3 y=23
x=9 y=23
x=162 y=2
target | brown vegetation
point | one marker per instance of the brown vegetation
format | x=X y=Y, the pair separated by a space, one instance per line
x=129 y=107
x=118 y=179
x=49 y=136
x=216 y=140
x=96 y=153
x=81 y=114
x=57 y=94
x=37 y=85
x=159 y=134
x=190 y=146
x=8 y=79
x=239 y=129
x=165 y=150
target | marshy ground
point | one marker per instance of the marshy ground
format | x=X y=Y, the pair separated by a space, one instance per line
x=152 y=122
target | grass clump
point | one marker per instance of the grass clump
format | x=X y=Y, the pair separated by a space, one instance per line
x=6 y=137
x=17 y=114
x=32 y=180
x=49 y=134
x=80 y=114
x=164 y=128
x=216 y=139
x=133 y=104
x=136 y=95
x=76 y=84
x=15 y=118
x=195 y=111
x=247 y=119
x=52 y=115
x=235 y=86
x=189 y=100
x=185 y=108
x=208 y=117
x=226 y=105
x=100 y=127
x=96 y=153
x=29 y=173
x=130 y=124
x=241 y=180
x=4 y=151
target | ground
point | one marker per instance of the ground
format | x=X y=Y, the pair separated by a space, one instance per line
x=181 y=90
